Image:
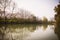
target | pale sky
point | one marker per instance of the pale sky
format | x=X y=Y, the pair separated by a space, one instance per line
x=39 y=8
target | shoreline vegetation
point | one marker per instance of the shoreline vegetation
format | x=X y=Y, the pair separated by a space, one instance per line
x=26 y=22
x=22 y=17
x=10 y=14
x=57 y=18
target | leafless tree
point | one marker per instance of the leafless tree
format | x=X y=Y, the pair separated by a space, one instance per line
x=4 y=4
x=13 y=6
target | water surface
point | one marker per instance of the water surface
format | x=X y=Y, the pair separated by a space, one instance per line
x=28 y=32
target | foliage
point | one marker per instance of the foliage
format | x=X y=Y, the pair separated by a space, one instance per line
x=57 y=18
x=22 y=16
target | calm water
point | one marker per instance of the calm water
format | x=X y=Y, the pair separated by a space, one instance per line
x=27 y=32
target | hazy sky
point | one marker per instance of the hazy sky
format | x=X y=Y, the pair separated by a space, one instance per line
x=39 y=8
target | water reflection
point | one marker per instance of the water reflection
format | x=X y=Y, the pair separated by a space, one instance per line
x=28 y=32
x=57 y=31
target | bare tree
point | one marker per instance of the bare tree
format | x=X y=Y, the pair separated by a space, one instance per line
x=13 y=6
x=4 y=4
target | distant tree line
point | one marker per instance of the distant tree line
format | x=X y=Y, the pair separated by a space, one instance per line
x=8 y=14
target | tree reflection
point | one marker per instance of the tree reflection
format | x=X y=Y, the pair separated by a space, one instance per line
x=32 y=28
x=45 y=26
x=7 y=31
x=2 y=31
x=21 y=31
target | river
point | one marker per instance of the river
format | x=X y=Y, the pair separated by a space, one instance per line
x=27 y=32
